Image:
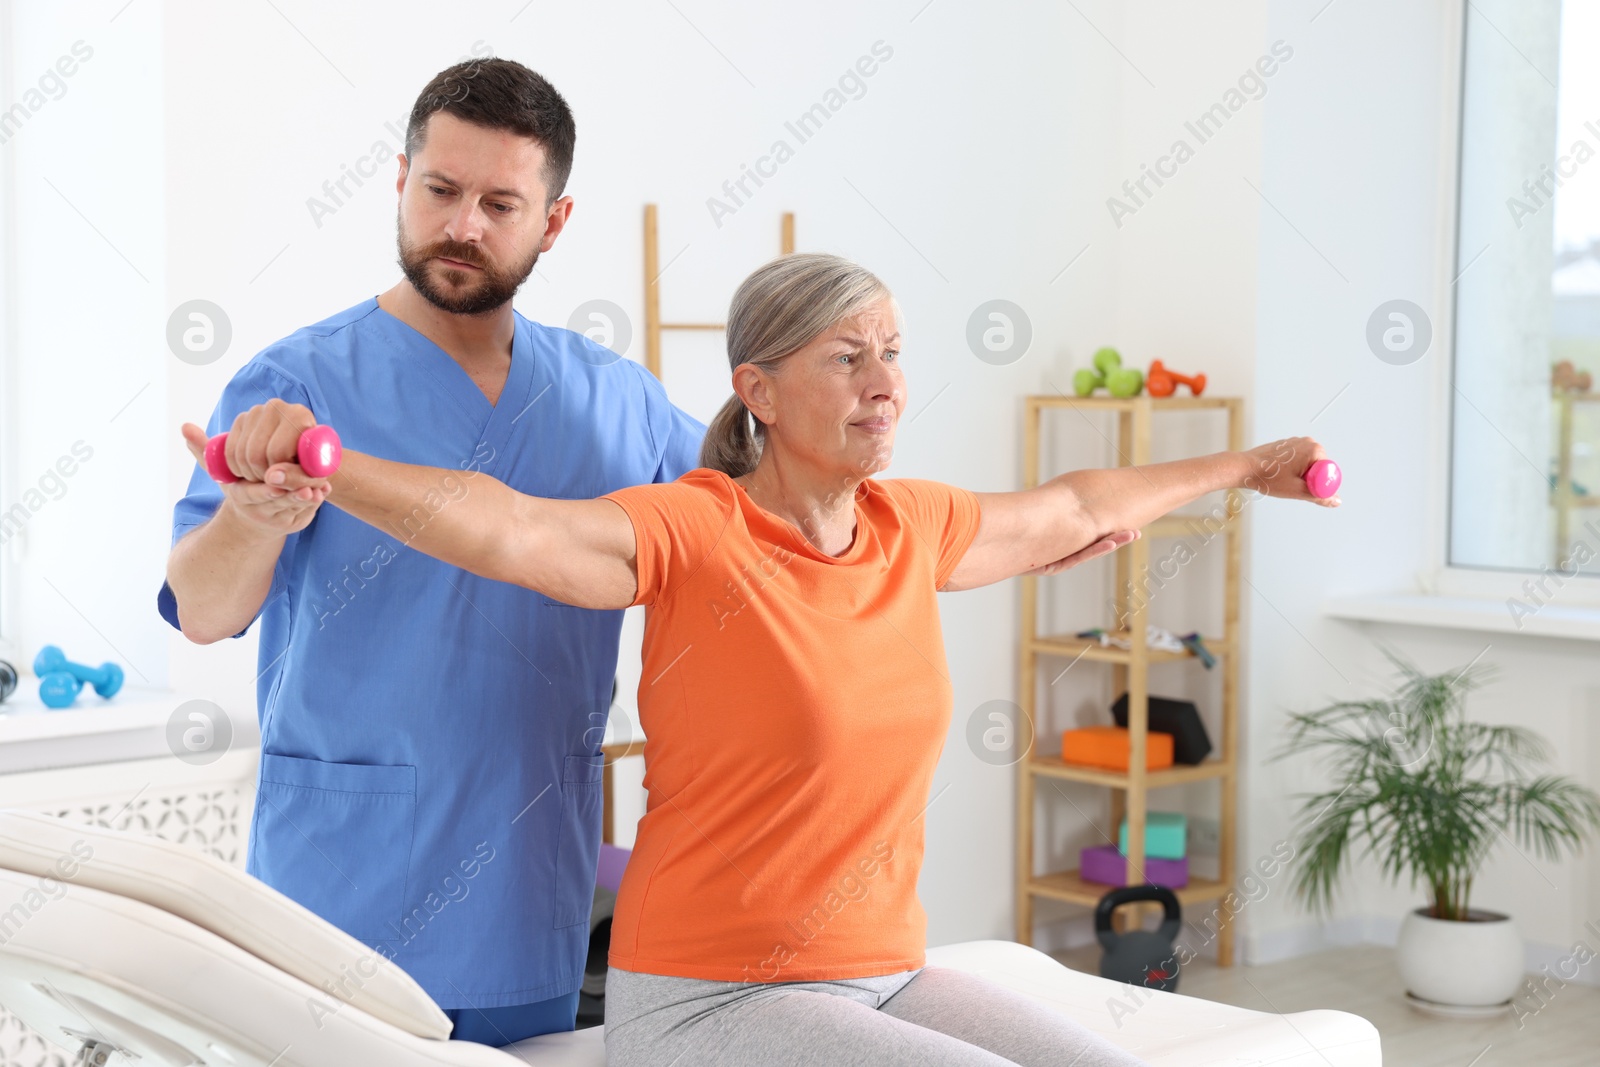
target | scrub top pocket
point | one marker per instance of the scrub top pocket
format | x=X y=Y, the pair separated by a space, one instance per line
x=336 y=837
x=578 y=846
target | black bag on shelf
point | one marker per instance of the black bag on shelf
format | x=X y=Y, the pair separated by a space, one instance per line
x=1180 y=718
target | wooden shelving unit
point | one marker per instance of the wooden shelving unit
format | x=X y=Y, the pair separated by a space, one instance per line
x=1562 y=496
x=1130 y=790
x=653 y=326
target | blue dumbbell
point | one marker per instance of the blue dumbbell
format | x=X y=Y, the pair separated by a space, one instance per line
x=107 y=679
x=58 y=689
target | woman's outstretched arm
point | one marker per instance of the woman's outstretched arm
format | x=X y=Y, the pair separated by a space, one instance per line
x=581 y=552
x=1040 y=530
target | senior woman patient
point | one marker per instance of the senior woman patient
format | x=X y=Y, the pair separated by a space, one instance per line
x=795 y=695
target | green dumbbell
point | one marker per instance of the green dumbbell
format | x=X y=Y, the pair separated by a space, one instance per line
x=1106 y=360
x=1110 y=374
x=1125 y=382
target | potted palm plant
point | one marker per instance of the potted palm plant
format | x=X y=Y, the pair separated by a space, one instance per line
x=1430 y=795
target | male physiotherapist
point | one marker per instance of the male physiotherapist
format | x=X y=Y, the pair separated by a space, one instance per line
x=430 y=771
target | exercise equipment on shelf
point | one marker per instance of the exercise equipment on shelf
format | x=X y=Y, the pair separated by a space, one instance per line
x=1112 y=748
x=1177 y=719
x=1108 y=374
x=8 y=680
x=1564 y=377
x=1163 y=382
x=1142 y=957
x=59 y=690
x=1197 y=645
x=1166 y=835
x=318 y=449
x=1104 y=865
x=1165 y=854
x=1156 y=638
x=60 y=679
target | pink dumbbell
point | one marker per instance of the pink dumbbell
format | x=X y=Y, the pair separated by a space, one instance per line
x=1323 y=478
x=319 y=453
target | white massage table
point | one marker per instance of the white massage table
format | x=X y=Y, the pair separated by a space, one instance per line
x=127 y=949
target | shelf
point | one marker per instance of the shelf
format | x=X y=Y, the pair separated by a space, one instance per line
x=1197 y=524
x=133 y=725
x=1112 y=403
x=1063 y=645
x=1067 y=886
x=1569 y=506
x=1178 y=774
x=1467 y=613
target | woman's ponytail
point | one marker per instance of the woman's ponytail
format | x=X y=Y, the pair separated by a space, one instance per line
x=731 y=445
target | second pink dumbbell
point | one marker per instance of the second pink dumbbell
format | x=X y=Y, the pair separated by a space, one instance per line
x=318 y=450
x=1323 y=478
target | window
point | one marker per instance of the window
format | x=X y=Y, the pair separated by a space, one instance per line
x=1525 y=402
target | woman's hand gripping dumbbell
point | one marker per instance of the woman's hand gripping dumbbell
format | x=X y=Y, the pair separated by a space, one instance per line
x=1296 y=468
x=274 y=433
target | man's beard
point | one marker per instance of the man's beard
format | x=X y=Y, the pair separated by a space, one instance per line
x=493 y=289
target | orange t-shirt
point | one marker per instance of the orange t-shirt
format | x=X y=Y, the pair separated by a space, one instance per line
x=794 y=705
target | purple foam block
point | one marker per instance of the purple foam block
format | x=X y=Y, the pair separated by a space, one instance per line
x=612 y=861
x=1104 y=864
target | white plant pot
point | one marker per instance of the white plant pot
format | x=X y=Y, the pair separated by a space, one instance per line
x=1473 y=964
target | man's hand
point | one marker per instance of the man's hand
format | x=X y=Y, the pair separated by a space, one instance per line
x=1109 y=543
x=266 y=434
x=273 y=510
x=1278 y=468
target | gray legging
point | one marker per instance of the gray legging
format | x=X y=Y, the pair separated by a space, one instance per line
x=931 y=1017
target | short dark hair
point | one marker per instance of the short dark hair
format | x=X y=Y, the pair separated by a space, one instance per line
x=501 y=94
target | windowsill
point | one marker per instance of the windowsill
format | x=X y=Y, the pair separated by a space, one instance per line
x=1467 y=613
x=130 y=726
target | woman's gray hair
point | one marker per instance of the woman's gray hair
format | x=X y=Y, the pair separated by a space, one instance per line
x=781 y=308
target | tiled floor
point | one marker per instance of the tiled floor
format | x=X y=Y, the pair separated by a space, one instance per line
x=1363 y=980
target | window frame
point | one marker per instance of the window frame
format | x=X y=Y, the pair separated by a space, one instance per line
x=1440 y=576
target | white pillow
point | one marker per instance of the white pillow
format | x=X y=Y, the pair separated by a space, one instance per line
x=226 y=901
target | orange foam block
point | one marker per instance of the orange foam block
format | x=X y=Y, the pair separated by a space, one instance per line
x=1111 y=747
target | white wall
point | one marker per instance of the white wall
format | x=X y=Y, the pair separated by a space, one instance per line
x=1352 y=157
x=1183 y=273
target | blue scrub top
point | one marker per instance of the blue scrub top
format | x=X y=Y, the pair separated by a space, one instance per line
x=430 y=775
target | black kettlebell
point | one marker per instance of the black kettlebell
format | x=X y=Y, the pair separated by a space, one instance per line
x=8 y=680
x=1141 y=957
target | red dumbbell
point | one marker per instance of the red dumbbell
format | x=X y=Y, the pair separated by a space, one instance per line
x=1163 y=382
x=318 y=449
